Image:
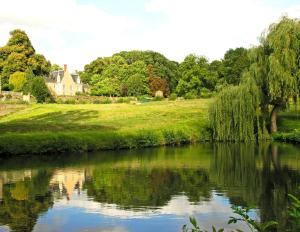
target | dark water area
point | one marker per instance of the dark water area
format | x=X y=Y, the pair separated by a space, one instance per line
x=154 y=189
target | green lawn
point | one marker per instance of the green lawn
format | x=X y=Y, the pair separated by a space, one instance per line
x=289 y=125
x=44 y=128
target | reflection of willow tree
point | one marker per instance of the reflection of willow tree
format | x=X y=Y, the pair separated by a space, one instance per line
x=129 y=188
x=23 y=201
x=254 y=176
x=234 y=168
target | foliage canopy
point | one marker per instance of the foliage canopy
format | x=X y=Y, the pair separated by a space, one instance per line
x=272 y=80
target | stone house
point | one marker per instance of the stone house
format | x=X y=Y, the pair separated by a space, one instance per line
x=63 y=83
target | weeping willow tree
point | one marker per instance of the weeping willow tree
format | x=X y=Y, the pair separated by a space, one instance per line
x=241 y=113
x=235 y=114
x=276 y=67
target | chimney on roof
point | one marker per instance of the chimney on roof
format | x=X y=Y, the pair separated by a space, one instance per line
x=65 y=67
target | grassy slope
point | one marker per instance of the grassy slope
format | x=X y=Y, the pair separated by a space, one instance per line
x=56 y=128
x=289 y=126
x=6 y=109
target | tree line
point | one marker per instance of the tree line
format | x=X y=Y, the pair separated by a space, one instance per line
x=128 y=73
x=135 y=73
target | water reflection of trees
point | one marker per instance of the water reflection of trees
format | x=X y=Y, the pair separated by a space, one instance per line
x=133 y=188
x=247 y=174
x=23 y=201
x=254 y=176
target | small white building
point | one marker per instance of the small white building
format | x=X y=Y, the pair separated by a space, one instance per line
x=63 y=83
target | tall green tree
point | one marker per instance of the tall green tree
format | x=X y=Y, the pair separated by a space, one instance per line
x=195 y=76
x=235 y=62
x=19 y=55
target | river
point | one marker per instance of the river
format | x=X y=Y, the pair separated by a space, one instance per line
x=153 y=189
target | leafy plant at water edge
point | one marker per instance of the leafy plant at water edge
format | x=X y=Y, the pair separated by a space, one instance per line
x=196 y=227
x=243 y=212
x=294 y=212
x=251 y=223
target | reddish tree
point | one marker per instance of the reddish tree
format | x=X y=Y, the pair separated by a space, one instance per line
x=159 y=84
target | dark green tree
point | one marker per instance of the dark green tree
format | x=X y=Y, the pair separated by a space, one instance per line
x=235 y=62
x=195 y=76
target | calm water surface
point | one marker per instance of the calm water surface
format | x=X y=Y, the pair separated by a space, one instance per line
x=147 y=190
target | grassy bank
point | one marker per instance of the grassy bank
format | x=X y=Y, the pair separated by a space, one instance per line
x=289 y=126
x=57 y=128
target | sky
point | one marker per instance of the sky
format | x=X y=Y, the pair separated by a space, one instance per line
x=75 y=32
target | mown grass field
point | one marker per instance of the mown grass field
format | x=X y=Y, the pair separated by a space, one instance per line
x=56 y=128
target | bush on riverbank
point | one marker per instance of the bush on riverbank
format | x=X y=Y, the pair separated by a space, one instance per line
x=289 y=125
x=288 y=137
x=54 y=143
x=83 y=99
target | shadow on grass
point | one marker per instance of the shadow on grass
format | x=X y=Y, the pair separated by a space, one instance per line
x=72 y=120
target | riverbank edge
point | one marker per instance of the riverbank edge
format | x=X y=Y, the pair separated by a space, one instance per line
x=36 y=143
x=287 y=137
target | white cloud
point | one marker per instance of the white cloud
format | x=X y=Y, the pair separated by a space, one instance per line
x=212 y=27
x=213 y=212
x=64 y=31
x=73 y=33
x=178 y=205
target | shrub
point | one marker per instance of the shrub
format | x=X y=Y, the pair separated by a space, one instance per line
x=173 y=97
x=123 y=100
x=158 y=98
x=106 y=101
x=82 y=101
x=206 y=93
x=147 y=139
x=6 y=87
x=97 y=101
x=170 y=137
x=291 y=137
x=37 y=87
x=49 y=100
x=144 y=98
x=70 y=101
x=190 y=96
x=182 y=137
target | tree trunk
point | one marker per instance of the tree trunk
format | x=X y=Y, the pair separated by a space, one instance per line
x=274 y=112
x=275 y=158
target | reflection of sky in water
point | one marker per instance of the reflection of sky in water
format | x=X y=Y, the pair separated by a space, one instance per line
x=81 y=214
x=4 y=228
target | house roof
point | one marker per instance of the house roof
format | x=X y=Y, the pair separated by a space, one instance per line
x=53 y=76
x=75 y=77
